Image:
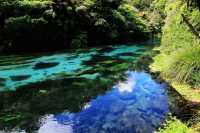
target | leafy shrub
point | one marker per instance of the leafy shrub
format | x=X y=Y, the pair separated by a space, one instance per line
x=15 y=24
x=24 y=7
x=132 y=18
x=35 y=3
x=118 y=17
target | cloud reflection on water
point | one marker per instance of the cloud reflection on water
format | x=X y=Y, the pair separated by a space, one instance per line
x=137 y=105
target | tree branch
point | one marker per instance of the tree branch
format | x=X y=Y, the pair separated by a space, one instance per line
x=191 y=27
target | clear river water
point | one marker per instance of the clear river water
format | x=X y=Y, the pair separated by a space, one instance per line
x=95 y=90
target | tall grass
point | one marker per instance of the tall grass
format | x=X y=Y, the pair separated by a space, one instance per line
x=184 y=66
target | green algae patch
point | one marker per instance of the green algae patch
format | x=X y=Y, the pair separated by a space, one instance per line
x=120 y=67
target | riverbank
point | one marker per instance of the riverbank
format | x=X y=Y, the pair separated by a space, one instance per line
x=187 y=121
x=177 y=60
x=192 y=96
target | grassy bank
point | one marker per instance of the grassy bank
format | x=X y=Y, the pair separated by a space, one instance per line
x=178 y=61
x=175 y=125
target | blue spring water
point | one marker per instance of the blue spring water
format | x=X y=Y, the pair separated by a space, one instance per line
x=137 y=105
x=68 y=63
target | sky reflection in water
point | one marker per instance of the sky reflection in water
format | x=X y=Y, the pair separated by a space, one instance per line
x=137 y=105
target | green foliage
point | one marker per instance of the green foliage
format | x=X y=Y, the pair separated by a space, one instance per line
x=173 y=125
x=155 y=21
x=35 y=3
x=23 y=21
x=142 y=4
x=159 y=5
x=175 y=33
x=19 y=7
x=17 y=26
x=89 y=3
x=81 y=9
x=104 y=22
x=195 y=19
x=118 y=17
x=180 y=50
x=101 y=22
x=132 y=18
x=183 y=65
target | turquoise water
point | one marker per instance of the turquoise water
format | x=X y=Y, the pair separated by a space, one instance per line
x=65 y=63
x=93 y=90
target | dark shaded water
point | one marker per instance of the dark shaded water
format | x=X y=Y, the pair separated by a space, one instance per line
x=87 y=91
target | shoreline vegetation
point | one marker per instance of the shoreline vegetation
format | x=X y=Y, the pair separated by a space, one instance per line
x=49 y=25
x=178 y=61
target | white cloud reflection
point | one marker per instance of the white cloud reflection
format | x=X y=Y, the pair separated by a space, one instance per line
x=50 y=125
x=127 y=86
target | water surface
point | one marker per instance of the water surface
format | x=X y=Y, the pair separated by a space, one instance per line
x=85 y=91
x=137 y=105
x=19 y=70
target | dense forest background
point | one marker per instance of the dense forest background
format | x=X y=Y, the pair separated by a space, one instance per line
x=43 y=25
